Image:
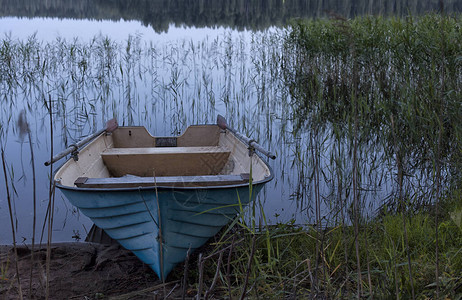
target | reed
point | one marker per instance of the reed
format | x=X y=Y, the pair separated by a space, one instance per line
x=24 y=129
x=51 y=203
x=387 y=80
x=19 y=287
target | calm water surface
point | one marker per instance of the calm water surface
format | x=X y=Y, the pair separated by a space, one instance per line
x=164 y=68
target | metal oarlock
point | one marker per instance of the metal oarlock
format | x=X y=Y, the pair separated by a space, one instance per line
x=221 y=122
x=111 y=125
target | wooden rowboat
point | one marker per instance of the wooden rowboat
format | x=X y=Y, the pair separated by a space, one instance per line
x=161 y=197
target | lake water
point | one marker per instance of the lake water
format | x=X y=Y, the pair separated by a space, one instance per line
x=165 y=67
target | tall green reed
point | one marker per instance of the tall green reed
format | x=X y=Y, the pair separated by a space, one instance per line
x=13 y=231
x=379 y=86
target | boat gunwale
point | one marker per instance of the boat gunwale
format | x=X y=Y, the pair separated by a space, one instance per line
x=165 y=188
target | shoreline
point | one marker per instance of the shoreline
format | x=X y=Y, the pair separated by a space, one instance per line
x=78 y=270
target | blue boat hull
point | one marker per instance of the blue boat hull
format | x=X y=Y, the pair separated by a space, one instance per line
x=161 y=226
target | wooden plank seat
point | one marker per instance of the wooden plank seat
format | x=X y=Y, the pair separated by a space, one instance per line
x=174 y=181
x=165 y=161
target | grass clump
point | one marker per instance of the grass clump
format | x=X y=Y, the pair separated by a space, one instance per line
x=285 y=263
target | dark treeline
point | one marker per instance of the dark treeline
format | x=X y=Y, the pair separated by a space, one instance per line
x=238 y=14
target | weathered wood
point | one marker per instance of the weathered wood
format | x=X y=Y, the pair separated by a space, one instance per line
x=194 y=136
x=165 y=161
x=133 y=136
x=80 y=181
x=176 y=181
x=199 y=135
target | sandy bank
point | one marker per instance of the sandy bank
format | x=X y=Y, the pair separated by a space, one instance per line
x=79 y=271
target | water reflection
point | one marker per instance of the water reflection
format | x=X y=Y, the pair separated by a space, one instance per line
x=241 y=14
x=166 y=83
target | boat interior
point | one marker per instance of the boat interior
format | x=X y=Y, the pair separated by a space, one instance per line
x=204 y=155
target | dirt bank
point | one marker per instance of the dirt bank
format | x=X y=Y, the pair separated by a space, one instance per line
x=80 y=271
